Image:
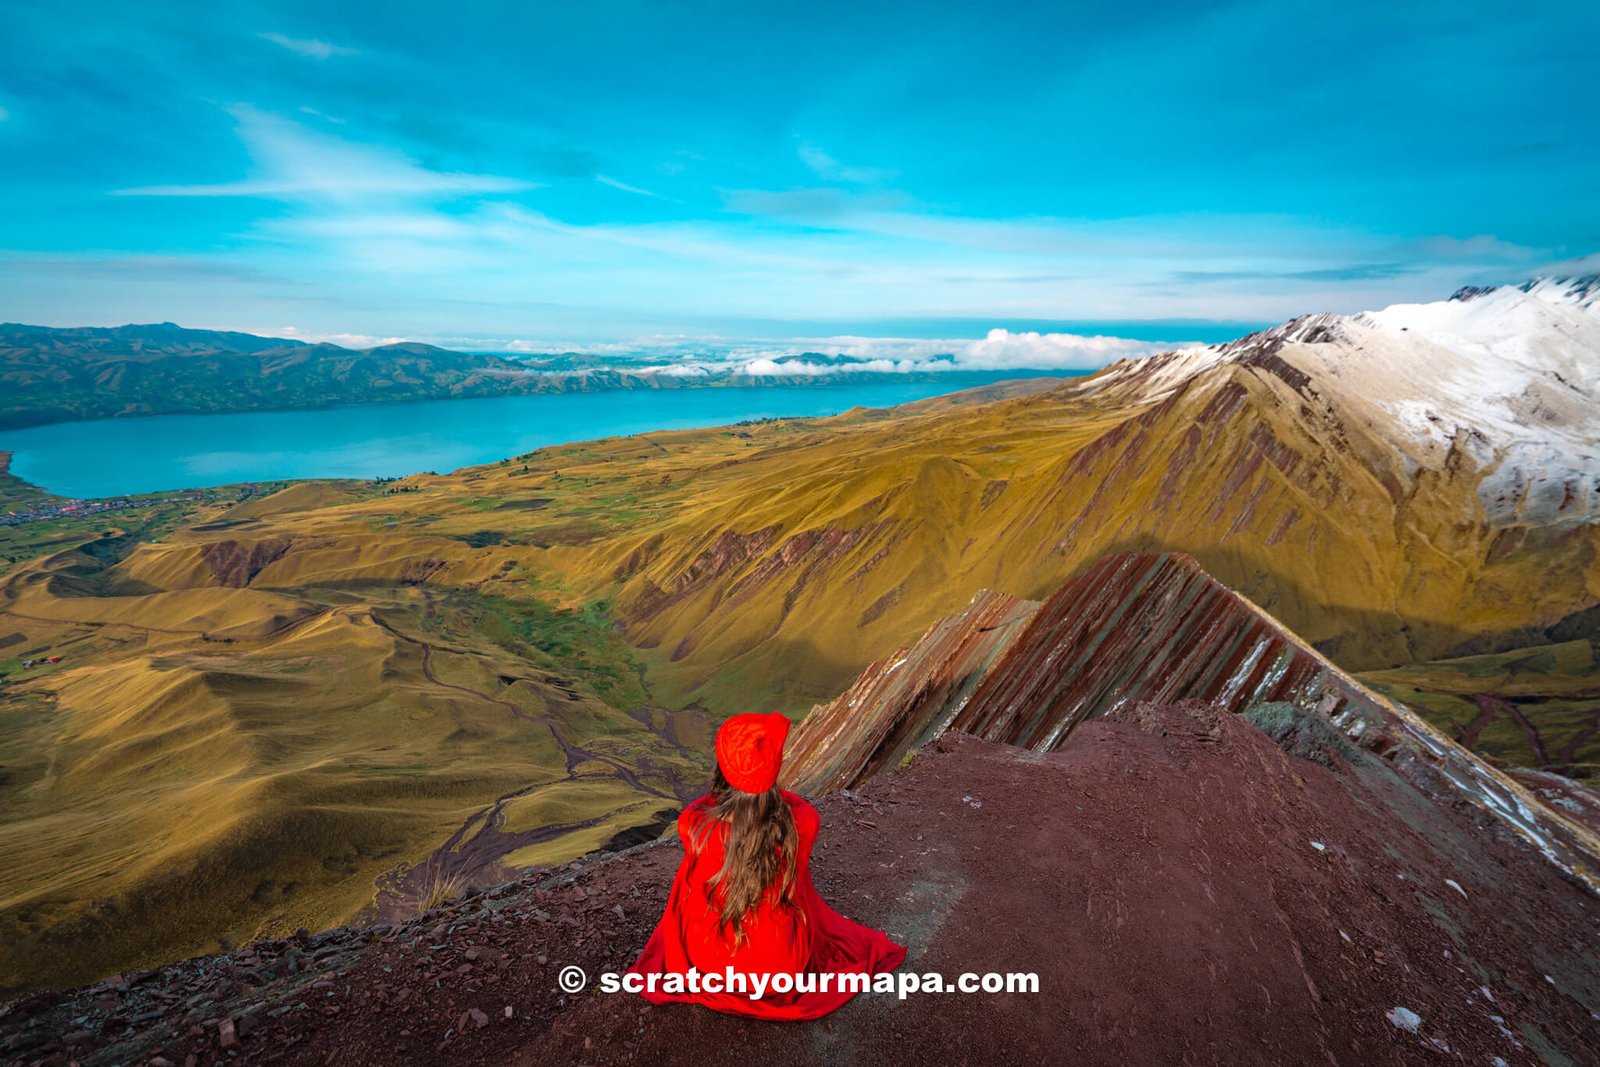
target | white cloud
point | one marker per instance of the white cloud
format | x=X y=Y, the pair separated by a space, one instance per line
x=685 y=370
x=827 y=205
x=1002 y=350
x=999 y=350
x=765 y=368
x=293 y=162
x=316 y=336
x=308 y=47
x=344 y=340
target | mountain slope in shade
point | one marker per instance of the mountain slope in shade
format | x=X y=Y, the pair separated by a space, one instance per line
x=1535 y=707
x=1142 y=628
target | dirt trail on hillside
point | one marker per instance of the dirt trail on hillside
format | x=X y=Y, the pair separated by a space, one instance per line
x=1185 y=890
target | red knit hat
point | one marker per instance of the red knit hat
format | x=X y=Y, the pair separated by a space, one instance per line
x=750 y=750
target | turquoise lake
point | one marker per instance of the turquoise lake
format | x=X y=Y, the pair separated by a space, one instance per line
x=114 y=457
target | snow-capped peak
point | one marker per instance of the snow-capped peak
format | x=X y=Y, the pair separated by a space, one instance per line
x=1513 y=322
x=1509 y=373
x=1516 y=365
x=1580 y=291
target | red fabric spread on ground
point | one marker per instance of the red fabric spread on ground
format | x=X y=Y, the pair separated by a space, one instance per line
x=822 y=942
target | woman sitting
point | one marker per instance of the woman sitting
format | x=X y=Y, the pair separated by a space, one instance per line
x=742 y=902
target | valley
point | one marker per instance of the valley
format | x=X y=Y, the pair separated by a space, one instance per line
x=312 y=702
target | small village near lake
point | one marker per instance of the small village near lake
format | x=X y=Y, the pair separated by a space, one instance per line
x=67 y=508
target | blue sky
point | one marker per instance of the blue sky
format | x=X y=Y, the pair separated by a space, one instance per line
x=539 y=175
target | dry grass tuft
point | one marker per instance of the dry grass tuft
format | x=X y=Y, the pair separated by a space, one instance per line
x=441 y=888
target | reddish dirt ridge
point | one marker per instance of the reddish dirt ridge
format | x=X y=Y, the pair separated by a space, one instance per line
x=1186 y=890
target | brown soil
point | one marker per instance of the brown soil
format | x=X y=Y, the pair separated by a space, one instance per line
x=1160 y=874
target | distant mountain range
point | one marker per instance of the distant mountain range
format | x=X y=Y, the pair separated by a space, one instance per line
x=50 y=374
x=56 y=375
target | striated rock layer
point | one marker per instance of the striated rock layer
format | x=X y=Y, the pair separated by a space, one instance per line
x=1141 y=627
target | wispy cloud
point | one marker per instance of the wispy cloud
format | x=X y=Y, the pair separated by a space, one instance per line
x=905 y=183
x=829 y=169
x=293 y=162
x=309 y=47
x=625 y=187
x=121 y=269
x=314 y=113
x=371 y=217
x=1470 y=249
x=1355 y=272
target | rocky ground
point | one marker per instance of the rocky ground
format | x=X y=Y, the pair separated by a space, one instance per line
x=1185 y=889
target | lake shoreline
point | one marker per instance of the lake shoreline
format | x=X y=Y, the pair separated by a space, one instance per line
x=622 y=382
x=131 y=456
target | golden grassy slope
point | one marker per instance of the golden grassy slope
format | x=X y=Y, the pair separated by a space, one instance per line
x=210 y=764
x=772 y=562
x=790 y=567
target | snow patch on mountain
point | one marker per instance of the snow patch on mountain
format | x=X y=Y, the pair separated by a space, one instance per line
x=1506 y=378
x=1513 y=372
